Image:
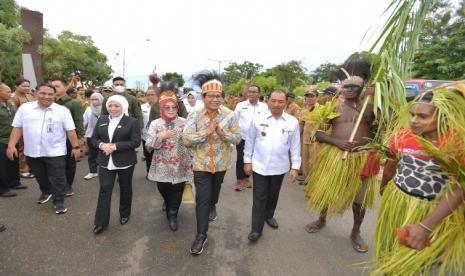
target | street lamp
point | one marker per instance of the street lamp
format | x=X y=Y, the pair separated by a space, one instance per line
x=219 y=63
x=124 y=57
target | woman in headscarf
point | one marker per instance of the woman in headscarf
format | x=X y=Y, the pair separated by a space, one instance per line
x=191 y=102
x=90 y=118
x=171 y=166
x=116 y=136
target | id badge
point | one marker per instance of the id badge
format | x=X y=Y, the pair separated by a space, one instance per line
x=50 y=126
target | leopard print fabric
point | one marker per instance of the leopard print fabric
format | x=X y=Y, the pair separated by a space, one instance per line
x=419 y=177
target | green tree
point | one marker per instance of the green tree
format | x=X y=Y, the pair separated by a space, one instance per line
x=69 y=53
x=325 y=72
x=442 y=51
x=300 y=90
x=234 y=71
x=290 y=74
x=173 y=76
x=12 y=38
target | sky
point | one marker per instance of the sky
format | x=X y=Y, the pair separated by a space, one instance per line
x=188 y=36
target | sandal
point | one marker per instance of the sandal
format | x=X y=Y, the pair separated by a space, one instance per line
x=359 y=244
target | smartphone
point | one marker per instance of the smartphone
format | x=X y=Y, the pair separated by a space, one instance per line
x=249 y=74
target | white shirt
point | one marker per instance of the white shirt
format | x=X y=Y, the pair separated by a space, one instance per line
x=246 y=113
x=112 y=125
x=44 y=129
x=86 y=120
x=145 y=114
x=269 y=141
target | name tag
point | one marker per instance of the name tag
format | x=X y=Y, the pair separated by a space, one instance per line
x=103 y=124
x=118 y=127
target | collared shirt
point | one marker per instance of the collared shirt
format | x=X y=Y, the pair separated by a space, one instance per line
x=44 y=129
x=246 y=113
x=112 y=125
x=293 y=109
x=7 y=114
x=145 y=115
x=268 y=144
x=211 y=153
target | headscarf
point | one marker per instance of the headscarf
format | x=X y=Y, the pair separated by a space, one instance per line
x=121 y=100
x=95 y=110
x=166 y=97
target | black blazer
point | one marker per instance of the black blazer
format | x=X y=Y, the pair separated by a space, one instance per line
x=126 y=138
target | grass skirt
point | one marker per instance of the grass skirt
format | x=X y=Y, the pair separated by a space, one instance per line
x=390 y=258
x=333 y=183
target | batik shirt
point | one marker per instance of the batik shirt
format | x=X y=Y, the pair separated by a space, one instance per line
x=417 y=174
x=211 y=153
x=171 y=160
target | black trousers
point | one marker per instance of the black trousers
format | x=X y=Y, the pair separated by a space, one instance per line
x=172 y=194
x=92 y=157
x=50 y=174
x=207 y=193
x=70 y=166
x=265 y=198
x=240 y=174
x=148 y=156
x=107 y=181
x=9 y=171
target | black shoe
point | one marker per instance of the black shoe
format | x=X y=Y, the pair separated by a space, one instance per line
x=8 y=194
x=123 y=221
x=212 y=215
x=69 y=192
x=60 y=208
x=98 y=229
x=19 y=187
x=2 y=227
x=199 y=243
x=44 y=198
x=254 y=236
x=272 y=223
x=173 y=223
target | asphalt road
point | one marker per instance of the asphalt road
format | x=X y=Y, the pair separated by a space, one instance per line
x=38 y=242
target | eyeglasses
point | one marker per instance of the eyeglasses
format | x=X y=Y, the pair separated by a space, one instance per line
x=209 y=96
x=168 y=108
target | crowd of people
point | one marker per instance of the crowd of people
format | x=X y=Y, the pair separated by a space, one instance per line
x=191 y=142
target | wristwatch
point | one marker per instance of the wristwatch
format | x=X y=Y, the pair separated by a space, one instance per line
x=77 y=147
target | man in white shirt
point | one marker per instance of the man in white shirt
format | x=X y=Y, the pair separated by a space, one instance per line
x=271 y=137
x=151 y=98
x=45 y=126
x=246 y=112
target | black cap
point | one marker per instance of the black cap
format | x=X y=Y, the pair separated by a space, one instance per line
x=330 y=90
x=290 y=95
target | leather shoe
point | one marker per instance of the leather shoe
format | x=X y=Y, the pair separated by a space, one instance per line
x=2 y=227
x=123 y=221
x=272 y=223
x=98 y=229
x=19 y=187
x=8 y=194
x=254 y=236
x=173 y=223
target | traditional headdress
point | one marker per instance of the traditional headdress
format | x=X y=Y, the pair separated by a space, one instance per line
x=166 y=97
x=356 y=70
x=210 y=81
